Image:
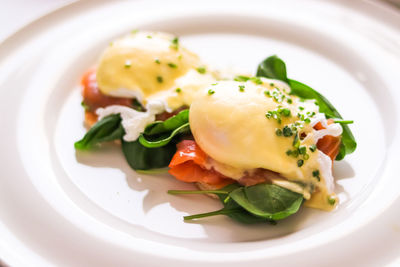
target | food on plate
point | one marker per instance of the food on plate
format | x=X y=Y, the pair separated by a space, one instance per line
x=262 y=144
x=143 y=70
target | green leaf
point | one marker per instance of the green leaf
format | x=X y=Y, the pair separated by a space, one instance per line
x=140 y=157
x=169 y=124
x=240 y=211
x=160 y=133
x=162 y=139
x=349 y=143
x=268 y=201
x=107 y=129
x=272 y=67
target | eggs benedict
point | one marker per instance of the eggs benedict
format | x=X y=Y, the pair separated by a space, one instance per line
x=144 y=67
x=255 y=132
x=263 y=145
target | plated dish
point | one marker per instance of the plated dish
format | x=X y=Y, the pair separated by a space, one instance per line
x=93 y=202
x=263 y=144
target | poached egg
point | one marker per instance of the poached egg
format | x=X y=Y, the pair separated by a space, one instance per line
x=152 y=66
x=245 y=126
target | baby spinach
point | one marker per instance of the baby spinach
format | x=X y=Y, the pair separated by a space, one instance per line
x=169 y=124
x=140 y=157
x=253 y=204
x=160 y=133
x=268 y=201
x=162 y=139
x=273 y=67
x=107 y=129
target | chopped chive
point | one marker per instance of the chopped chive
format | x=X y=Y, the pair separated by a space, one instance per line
x=172 y=65
x=306 y=156
x=300 y=163
x=149 y=37
x=302 y=150
x=201 y=70
x=256 y=80
x=160 y=79
x=157 y=61
x=287 y=131
x=214 y=83
x=86 y=107
x=313 y=148
x=290 y=101
x=331 y=200
x=286 y=112
x=316 y=175
x=241 y=78
x=271 y=84
x=296 y=141
x=175 y=43
x=343 y=121
x=128 y=64
x=241 y=88
x=289 y=152
x=307 y=120
x=278 y=132
x=301 y=108
x=178 y=90
x=211 y=91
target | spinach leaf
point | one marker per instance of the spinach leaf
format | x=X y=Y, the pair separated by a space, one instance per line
x=272 y=67
x=268 y=201
x=238 y=213
x=160 y=133
x=253 y=204
x=107 y=129
x=275 y=68
x=169 y=124
x=162 y=139
x=140 y=157
x=348 y=144
x=231 y=208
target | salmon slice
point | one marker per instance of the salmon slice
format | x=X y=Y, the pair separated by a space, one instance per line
x=188 y=165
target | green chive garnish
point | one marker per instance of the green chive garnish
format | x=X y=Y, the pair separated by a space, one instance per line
x=331 y=200
x=313 y=148
x=172 y=65
x=343 y=121
x=128 y=64
x=287 y=131
x=201 y=70
x=300 y=163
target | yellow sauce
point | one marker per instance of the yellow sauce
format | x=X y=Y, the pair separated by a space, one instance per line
x=228 y=121
x=151 y=65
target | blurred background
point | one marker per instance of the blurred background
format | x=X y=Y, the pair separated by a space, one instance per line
x=14 y=14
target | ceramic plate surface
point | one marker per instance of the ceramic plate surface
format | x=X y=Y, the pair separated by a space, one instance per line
x=67 y=208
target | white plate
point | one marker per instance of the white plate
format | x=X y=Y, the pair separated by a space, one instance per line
x=59 y=207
